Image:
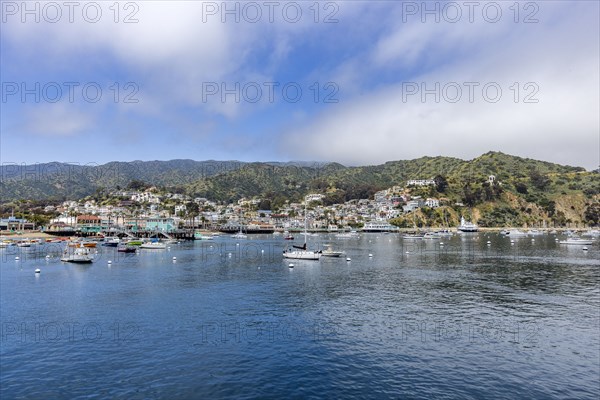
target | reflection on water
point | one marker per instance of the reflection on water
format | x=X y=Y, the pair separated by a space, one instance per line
x=453 y=317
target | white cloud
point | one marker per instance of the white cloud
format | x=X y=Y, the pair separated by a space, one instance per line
x=559 y=56
x=56 y=119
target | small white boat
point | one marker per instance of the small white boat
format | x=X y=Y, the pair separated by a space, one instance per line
x=111 y=241
x=534 y=232
x=202 y=236
x=329 y=252
x=592 y=233
x=24 y=243
x=413 y=236
x=577 y=241
x=153 y=246
x=239 y=235
x=467 y=226
x=77 y=255
x=300 y=253
x=516 y=233
x=432 y=235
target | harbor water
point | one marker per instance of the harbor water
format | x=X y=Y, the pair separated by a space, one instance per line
x=469 y=316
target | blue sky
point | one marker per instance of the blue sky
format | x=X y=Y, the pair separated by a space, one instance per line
x=394 y=80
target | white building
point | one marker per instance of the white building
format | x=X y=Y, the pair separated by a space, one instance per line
x=433 y=203
x=314 y=197
x=420 y=182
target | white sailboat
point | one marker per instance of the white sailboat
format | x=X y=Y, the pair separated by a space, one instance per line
x=300 y=252
x=467 y=226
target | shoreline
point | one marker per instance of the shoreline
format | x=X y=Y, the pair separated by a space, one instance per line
x=44 y=235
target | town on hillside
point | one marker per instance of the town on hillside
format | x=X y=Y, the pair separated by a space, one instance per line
x=419 y=204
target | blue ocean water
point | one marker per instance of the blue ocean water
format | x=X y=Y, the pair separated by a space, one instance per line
x=230 y=319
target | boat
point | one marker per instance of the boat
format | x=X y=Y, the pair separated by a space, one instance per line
x=379 y=227
x=329 y=252
x=534 y=232
x=432 y=235
x=79 y=255
x=345 y=235
x=111 y=241
x=301 y=252
x=576 y=241
x=288 y=236
x=239 y=235
x=467 y=226
x=6 y=243
x=592 y=233
x=516 y=233
x=201 y=236
x=24 y=243
x=153 y=246
x=412 y=236
x=126 y=249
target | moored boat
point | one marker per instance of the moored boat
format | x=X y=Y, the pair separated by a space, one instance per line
x=329 y=252
x=153 y=246
x=467 y=226
x=79 y=255
x=576 y=241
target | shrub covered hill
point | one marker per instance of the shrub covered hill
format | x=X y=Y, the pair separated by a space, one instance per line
x=523 y=191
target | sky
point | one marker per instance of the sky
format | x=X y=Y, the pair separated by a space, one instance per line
x=354 y=82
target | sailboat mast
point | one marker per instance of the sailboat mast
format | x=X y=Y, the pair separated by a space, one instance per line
x=305 y=219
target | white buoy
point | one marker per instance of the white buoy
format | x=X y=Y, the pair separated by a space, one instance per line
x=348 y=259
x=237 y=244
x=48 y=256
x=110 y=262
x=489 y=242
x=229 y=254
x=174 y=258
x=37 y=271
x=17 y=258
x=441 y=243
x=585 y=248
x=291 y=265
x=370 y=255
x=262 y=251
x=407 y=252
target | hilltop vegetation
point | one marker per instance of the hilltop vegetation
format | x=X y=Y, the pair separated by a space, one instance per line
x=524 y=192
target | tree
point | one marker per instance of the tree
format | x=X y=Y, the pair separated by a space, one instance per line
x=592 y=213
x=441 y=184
x=264 y=204
x=521 y=188
x=538 y=180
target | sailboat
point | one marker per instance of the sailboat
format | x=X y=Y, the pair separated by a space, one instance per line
x=240 y=234
x=301 y=252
